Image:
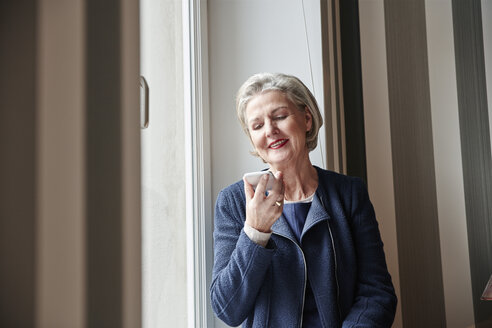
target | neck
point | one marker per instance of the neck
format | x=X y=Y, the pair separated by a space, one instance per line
x=300 y=179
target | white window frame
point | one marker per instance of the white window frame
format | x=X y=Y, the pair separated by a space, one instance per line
x=198 y=183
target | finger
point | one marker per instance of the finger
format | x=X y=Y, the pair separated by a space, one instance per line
x=248 y=190
x=279 y=208
x=261 y=187
x=278 y=185
x=277 y=193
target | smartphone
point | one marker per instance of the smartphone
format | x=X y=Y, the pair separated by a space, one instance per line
x=254 y=177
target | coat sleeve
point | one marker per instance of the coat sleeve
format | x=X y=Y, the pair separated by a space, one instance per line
x=375 y=299
x=240 y=265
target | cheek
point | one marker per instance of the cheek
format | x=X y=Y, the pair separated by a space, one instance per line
x=255 y=139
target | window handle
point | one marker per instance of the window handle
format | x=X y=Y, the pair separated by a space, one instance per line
x=144 y=103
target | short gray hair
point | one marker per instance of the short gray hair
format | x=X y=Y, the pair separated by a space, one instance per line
x=295 y=91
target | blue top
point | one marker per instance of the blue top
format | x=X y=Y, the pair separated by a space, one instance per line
x=265 y=286
x=296 y=214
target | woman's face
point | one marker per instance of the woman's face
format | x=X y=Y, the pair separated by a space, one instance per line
x=277 y=128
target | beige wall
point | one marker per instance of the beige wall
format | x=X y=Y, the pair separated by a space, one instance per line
x=58 y=242
x=449 y=170
x=60 y=165
x=377 y=132
x=439 y=80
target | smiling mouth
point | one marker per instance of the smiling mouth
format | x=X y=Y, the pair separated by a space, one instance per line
x=278 y=143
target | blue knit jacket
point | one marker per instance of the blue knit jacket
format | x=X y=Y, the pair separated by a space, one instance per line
x=340 y=251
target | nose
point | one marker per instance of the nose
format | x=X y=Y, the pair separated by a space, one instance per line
x=271 y=128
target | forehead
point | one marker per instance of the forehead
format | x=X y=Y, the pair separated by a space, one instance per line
x=266 y=102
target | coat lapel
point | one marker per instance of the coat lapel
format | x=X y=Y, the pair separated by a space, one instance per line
x=317 y=213
x=282 y=227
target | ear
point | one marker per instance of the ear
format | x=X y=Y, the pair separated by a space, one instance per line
x=309 y=119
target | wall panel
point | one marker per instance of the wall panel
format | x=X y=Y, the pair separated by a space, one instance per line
x=448 y=168
x=378 y=132
x=18 y=162
x=475 y=145
x=413 y=165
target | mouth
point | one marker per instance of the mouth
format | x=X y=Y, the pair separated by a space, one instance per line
x=278 y=143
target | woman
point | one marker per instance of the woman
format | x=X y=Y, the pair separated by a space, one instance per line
x=308 y=252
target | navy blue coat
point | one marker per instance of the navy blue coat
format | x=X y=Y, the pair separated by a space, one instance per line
x=340 y=251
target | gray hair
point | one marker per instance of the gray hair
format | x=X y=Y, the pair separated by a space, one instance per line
x=295 y=91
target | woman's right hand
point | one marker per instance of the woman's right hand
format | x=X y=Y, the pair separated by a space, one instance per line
x=262 y=211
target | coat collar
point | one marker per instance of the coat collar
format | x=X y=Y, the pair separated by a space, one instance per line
x=317 y=213
x=281 y=227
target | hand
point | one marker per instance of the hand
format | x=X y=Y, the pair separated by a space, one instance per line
x=262 y=211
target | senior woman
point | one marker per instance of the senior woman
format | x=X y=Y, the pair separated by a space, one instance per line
x=307 y=252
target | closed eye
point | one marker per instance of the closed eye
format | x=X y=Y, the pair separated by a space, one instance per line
x=257 y=126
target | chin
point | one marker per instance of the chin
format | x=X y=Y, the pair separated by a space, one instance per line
x=278 y=159
x=278 y=162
